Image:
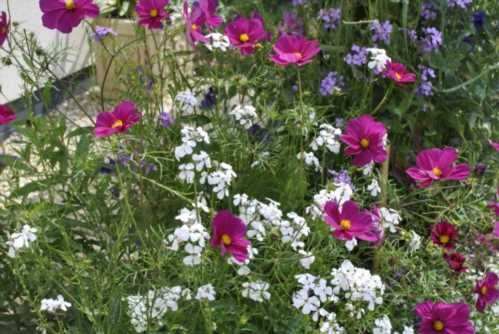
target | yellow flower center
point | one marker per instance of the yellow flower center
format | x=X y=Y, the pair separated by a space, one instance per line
x=153 y=12
x=484 y=290
x=398 y=76
x=438 y=325
x=70 y=4
x=117 y=124
x=194 y=26
x=444 y=238
x=226 y=239
x=345 y=224
x=437 y=171
x=298 y=55
x=244 y=38
x=364 y=142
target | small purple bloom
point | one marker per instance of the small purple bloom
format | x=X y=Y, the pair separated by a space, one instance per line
x=101 y=32
x=166 y=119
x=463 y=4
x=381 y=31
x=357 y=56
x=342 y=177
x=330 y=17
x=425 y=88
x=428 y=11
x=291 y=24
x=431 y=41
x=210 y=99
x=298 y=2
x=332 y=82
x=479 y=19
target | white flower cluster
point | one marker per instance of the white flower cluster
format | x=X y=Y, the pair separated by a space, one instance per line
x=261 y=216
x=328 y=137
x=343 y=192
x=245 y=115
x=310 y=160
x=383 y=325
x=187 y=102
x=20 y=240
x=374 y=188
x=390 y=219
x=256 y=291
x=217 y=41
x=352 y=286
x=312 y=298
x=378 y=60
x=53 y=305
x=220 y=179
x=192 y=236
x=206 y=292
x=151 y=308
x=191 y=136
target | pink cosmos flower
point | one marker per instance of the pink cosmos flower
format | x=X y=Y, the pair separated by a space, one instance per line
x=437 y=164
x=294 y=49
x=492 y=143
x=117 y=121
x=64 y=15
x=229 y=234
x=194 y=22
x=456 y=261
x=246 y=34
x=494 y=206
x=209 y=9
x=350 y=222
x=399 y=74
x=444 y=234
x=4 y=27
x=496 y=230
x=442 y=318
x=6 y=115
x=487 y=291
x=365 y=139
x=151 y=13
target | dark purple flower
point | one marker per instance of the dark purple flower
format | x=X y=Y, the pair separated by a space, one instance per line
x=479 y=19
x=298 y=2
x=357 y=56
x=291 y=24
x=480 y=169
x=331 y=83
x=210 y=99
x=381 y=31
x=331 y=17
x=456 y=261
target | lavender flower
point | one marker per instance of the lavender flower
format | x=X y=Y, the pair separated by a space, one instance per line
x=332 y=82
x=381 y=31
x=425 y=88
x=463 y=4
x=431 y=41
x=341 y=177
x=428 y=11
x=101 y=32
x=357 y=56
x=291 y=24
x=298 y=2
x=331 y=17
x=166 y=119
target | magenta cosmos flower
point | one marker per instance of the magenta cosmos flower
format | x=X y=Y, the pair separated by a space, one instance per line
x=399 y=74
x=442 y=318
x=151 y=13
x=4 y=27
x=209 y=9
x=294 y=49
x=246 y=34
x=350 y=222
x=6 y=114
x=119 y=120
x=229 y=234
x=456 y=262
x=494 y=145
x=195 y=19
x=496 y=230
x=444 y=234
x=365 y=138
x=437 y=164
x=487 y=291
x=64 y=15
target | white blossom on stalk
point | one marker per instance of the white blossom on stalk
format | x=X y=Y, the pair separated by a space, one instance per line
x=21 y=240
x=53 y=305
x=190 y=138
x=378 y=60
x=310 y=160
x=256 y=291
x=382 y=325
x=187 y=101
x=329 y=137
x=220 y=180
x=186 y=173
x=374 y=188
x=217 y=41
x=390 y=219
x=245 y=115
x=206 y=292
